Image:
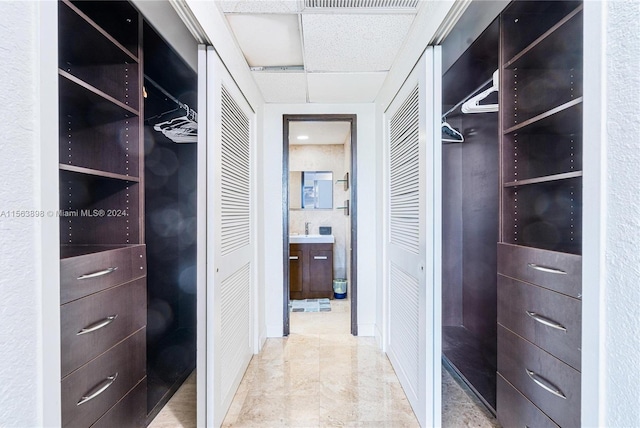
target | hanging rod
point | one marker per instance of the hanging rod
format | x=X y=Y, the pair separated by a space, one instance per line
x=171 y=97
x=468 y=97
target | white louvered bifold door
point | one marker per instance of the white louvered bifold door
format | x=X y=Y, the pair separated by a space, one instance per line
x=409 y=270
x=230 y=234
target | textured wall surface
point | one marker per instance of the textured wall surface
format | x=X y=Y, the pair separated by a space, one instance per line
x=20 y=385
x=622 y=288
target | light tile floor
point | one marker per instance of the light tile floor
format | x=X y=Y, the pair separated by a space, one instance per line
x=321 y=376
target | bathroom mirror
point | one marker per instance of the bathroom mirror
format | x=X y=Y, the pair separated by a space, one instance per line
x=311 y=190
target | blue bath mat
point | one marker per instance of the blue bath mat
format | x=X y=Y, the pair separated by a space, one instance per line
x=310 y=305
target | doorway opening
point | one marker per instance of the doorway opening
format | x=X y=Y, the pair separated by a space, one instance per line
x=314 y=189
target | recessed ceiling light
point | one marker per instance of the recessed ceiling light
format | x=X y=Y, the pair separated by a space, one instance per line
x=303 y=137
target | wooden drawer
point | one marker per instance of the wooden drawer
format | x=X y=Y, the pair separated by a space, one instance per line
x=127 y=360
x=536 y=373
x=106 y=317
x=90 y=273
x=561 y=272
x=550 y=320
x=514 y=410
x=130 y=412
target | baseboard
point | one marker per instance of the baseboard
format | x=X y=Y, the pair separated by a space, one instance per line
x=378 y=336
x=274 y=330
x=366 y=329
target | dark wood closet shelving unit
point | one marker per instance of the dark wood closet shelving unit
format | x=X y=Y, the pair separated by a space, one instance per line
x=103 y=258
x=118 y=179
x=539 y=263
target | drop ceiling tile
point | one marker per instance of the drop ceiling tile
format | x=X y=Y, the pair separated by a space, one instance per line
x=259 y=6
x=282 y=87
x=319 y=132
x=344 y=87
x=268 y=39
x=353 y=42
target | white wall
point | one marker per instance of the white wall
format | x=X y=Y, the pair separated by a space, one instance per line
x=29 y=254
x=622 y=257
x=368 y=208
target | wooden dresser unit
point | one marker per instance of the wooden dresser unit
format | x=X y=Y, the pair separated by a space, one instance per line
x=539 y=256
x=103 y=258
x=310 y=271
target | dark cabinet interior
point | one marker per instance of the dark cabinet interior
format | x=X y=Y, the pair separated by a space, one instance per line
x=170 y=223
x=470 y=221
x=310 y=271
x=127 y=217
x=512 y=314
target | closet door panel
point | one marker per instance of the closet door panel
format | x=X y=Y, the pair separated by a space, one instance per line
x=548 y=319
x=561 y=272
x=92 y=325
x=536 y=374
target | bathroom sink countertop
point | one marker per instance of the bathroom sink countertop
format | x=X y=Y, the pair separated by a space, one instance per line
x=311 y=239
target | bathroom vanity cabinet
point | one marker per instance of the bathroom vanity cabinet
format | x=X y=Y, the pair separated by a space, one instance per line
x=310 y=271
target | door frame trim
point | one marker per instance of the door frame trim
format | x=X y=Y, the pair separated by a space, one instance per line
x=353 y=280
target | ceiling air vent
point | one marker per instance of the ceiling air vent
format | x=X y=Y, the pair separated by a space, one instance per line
x=361 y=4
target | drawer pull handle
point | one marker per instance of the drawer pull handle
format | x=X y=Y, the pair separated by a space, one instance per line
x=293 y=257
x=319 y=257
x=546 y=321
x=106 y=271
x=97 y=325
x=99 y=389
x=545 y=384
x=546 y=269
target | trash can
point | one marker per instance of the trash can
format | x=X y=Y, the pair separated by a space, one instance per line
x=340 y=288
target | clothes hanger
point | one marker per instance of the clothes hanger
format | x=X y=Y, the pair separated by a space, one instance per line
x=472 y=105
x=450 y=135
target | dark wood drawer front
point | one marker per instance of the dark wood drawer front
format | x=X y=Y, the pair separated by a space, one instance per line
x=127 y=360
x=561 y=272
x=93 y=324
x=550 y=320
x=130 y=412
x=87 y=274
x=321 y=271
x=514 y=410
x=295 y=270
x=536 y=373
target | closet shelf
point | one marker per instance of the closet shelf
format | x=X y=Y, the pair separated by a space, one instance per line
x=98 y=173
x=100 y=30
x=552 y=120
x=67 y=251
x=545 y=179
x=534 y=55
x=92 y=95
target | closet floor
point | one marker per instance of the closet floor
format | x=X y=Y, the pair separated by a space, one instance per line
x=321 y=376
x=472 y=360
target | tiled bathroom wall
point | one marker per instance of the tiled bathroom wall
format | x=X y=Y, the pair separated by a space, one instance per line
x=323 y=158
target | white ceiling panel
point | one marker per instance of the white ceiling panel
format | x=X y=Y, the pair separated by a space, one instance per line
x=344 y=87
x=319 y=132
x=282 y=87
x=260 y=6
x=352 y=42
x=268 y=40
